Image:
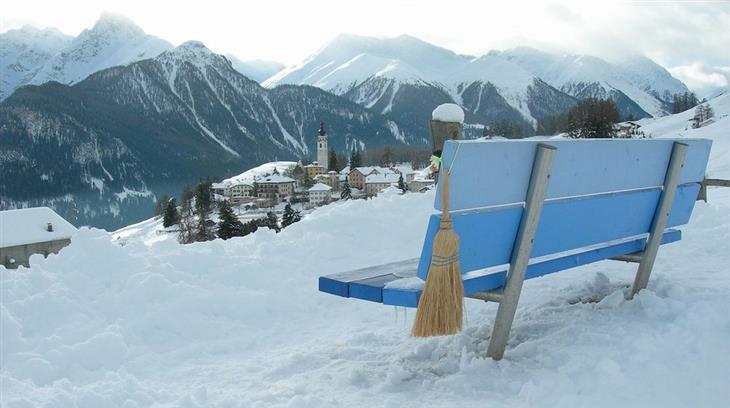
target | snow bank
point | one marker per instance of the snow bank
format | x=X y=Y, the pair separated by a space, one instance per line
x=448 y=112
x=240 y=323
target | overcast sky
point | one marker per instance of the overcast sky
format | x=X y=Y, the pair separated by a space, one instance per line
x=691 y=39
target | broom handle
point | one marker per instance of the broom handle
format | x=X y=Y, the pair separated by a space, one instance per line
x=445 y=196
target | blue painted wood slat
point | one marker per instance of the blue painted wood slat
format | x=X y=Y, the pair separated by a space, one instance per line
x=488 y=173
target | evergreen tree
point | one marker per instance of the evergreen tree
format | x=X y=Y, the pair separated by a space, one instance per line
x=271 y=221
x=290 y=216
x=170 y=216
x=228 y=225
x=276 y=171
x=250 y=227
x=355 y=159
x=161 y=204
x=346 y=193
x=203 y=199
x=332 y=161
x=593 y=118
x=401 y=184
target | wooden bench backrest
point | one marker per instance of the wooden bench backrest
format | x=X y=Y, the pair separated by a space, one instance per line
x=600 y=191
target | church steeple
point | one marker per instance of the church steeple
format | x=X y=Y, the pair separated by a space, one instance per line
x=322 y=149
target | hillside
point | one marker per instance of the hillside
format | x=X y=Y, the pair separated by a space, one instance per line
x=241 y=323
x=156 y=124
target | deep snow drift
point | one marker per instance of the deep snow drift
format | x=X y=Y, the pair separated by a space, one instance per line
x=240 y=323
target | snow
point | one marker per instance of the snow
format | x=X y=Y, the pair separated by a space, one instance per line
x=29 y=225
x=320 y=187
x=448 y=112
x=250 y=175
x=240 y=323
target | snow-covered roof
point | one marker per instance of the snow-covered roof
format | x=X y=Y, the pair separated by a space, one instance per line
x=320 y=187
x=248 y=176
x=275 y=179
x=30 y=225
x=382 y=178
x=218 y=185
x=369 y=169
x=313 y=165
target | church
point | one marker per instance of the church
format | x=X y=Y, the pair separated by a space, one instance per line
x=322 y=149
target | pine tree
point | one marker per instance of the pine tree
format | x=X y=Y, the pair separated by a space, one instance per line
x=346 y=193
x=276 y=171
x=355 y=159
x=593 y=118
x=332 y=161
x=228 y=225
x=250 y=227
x=161 y=204
x=170 y=216
x=290 y=216
x=271 y=221
x=401 y=184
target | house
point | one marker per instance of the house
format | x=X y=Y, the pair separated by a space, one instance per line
x=356 y=177
x=628 y=129
x=331 y=178
x=319 y=194
x=236 y=192
x=420 y=185
x=313 y=170
x=376 y=183
x=274 y=187
x=240 y=192
x=30 y=231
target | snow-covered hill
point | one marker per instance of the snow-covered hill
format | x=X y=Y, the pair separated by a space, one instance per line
x=241 y=323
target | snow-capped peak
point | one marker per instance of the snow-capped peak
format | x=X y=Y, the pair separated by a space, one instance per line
x=117 y=25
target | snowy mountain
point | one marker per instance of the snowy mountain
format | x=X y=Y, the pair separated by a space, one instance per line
x=639 y=86
x=258 y=70
x=113 y=40
x=24 y=52
x=156 y=124
x=240 y=322
x=395 y=76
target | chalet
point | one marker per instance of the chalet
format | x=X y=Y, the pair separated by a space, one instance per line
x=30 y=231
x=274 y=187
x=376 y=183
x=236 y=192
x=319 y=194
x=628 y=129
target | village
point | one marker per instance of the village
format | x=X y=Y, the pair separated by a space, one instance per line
x=313 y=185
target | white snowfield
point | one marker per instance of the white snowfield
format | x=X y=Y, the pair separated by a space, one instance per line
x=240 y=323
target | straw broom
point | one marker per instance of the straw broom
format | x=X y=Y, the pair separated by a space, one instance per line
x=441 y=306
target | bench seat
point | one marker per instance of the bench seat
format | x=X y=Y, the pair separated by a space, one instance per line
x=397 y=284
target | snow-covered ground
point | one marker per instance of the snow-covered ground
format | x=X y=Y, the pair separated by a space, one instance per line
x=240 y=323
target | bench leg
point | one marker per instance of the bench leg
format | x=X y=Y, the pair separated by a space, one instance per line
x=522 y=249
x=659 y=223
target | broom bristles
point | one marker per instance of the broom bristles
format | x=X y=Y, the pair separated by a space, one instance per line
x=441 y=306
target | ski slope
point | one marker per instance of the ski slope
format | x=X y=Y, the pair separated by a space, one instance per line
x=240 y=323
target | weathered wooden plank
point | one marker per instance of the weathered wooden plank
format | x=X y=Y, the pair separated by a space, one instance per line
x=489 y=173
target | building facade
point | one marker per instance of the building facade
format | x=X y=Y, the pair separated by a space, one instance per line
x=320 y=194
x=274 y=187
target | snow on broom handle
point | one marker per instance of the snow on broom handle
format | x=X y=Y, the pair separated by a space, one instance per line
x=441 y=306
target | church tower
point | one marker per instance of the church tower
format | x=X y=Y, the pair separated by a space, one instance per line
x=322 y=149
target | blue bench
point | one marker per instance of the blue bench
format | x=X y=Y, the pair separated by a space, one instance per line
x=524 y=209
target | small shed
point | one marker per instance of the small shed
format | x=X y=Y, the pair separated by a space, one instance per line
x=29 y=231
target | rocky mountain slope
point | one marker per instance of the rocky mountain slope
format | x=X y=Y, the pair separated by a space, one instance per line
x=157 y=123
x=396 y=76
